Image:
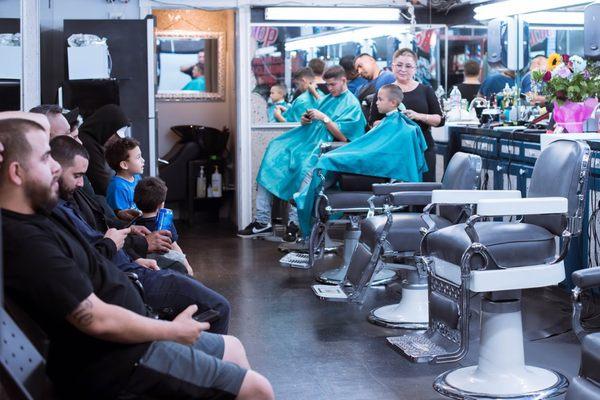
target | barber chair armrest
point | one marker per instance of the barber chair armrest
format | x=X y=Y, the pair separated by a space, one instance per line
x=457 y=197
x=586 y=278
x=412 y=198
x=528 y=206
x=384 y=189
x=330 y=146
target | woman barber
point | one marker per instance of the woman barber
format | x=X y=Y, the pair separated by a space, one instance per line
x=421 y=103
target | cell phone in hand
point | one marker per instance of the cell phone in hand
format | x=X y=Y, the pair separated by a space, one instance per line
x=133 y=221
x=306 y=115
x=207 y=316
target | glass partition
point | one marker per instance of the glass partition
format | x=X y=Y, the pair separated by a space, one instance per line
x=279 y=51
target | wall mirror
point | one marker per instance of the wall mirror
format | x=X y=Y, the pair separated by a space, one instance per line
x=279 y=51
x=190 y=65
x=10 y=52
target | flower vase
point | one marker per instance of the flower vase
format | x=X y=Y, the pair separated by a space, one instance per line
x=572 y=115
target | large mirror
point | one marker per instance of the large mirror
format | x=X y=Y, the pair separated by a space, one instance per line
x=190 y=65
x=11 y=55
x=279 y=51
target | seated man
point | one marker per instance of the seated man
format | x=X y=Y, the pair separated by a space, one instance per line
x=59 y=125
x=309 y=97
x=167 y=292
x=102 y=342
x=393 y=149
x=292 y=155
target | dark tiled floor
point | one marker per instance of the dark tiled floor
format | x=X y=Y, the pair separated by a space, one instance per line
x=310 y=349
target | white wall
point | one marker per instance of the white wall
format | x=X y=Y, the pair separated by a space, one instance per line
x=10 y=9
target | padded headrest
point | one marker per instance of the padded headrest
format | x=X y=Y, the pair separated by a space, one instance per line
x=463 y=172
x=560 y=171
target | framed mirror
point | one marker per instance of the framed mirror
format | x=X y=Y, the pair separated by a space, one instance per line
x=190 y=66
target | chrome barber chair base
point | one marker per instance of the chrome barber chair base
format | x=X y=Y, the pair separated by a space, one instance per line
x=335 y=276
x=301 y=246
x=527 y=383
x=411 y=313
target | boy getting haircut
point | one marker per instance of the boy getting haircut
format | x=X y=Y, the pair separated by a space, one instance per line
x=394 y=92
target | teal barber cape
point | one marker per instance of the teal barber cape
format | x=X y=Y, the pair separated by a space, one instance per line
x=291 y=156
x=393 y=149
x=300 y=105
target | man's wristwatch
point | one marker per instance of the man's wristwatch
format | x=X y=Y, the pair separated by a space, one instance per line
x=326 y=120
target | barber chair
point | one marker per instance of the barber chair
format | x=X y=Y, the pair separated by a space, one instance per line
x=585 y=386
x=498 y=260
x=353 y=200
x=394 y=238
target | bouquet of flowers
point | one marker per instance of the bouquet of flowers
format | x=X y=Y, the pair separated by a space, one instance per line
x=573 y=85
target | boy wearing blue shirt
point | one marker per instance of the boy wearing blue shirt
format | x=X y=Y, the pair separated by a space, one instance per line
x=150 y=195
x=125 y=158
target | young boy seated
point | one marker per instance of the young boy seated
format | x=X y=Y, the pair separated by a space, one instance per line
x=149 y=196
x=125 y=158
x=277 y=101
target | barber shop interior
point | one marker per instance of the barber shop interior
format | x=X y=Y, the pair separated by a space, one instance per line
x=299 y=199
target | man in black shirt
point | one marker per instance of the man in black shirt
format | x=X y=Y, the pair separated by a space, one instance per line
x=102 y=344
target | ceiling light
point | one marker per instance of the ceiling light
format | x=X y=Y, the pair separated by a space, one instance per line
x=554 y=18
x=351 y=35
x=513 y=7
x=331 y=14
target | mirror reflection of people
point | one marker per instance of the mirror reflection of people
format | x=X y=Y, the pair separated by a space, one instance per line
x=198 y=82
x=309 y=97
x=317 y=66
x=470 y=85
x=277 y=101
x=367 y=67
x=538 y=63
x=291 y=156
x=496 y=81
x=188 y=68
x=355 y=80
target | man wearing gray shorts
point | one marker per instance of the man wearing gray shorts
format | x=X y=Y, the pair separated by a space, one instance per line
x=104 y=344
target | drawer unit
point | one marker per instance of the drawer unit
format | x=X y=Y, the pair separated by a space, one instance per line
x=481 y=145
x=510 y=149
x=530 y=152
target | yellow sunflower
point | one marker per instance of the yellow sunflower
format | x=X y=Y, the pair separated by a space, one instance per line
x=553 y=61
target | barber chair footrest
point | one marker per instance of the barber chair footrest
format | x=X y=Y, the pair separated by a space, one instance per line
x=330 y=293
x=295 y=260
x=526 y=383
x=335 y=276
x=418 y=348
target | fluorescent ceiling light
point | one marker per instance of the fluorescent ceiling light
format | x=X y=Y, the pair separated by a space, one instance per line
x=331 y=14
x=350 y=35
x=513 y=7
x=554 y=18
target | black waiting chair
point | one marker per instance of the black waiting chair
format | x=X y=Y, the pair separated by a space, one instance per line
x=498 y=260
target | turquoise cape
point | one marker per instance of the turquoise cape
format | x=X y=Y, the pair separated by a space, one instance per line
x=299 y=106
x=291 y=156
x=393 y=149
x=271 y=109
x=198 y=84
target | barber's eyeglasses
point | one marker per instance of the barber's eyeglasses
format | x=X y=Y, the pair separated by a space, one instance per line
x=404 y=66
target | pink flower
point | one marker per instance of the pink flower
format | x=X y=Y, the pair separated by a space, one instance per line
x=547 y=76
x=563 y=71
x=586 y=74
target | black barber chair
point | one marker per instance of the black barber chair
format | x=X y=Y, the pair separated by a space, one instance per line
x=353 y=199
x=396 y=237
x=586 y=386
x=195 y=143
x=498 y=260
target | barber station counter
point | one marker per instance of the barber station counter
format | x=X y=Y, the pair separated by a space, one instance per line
x=261 y=135
x=508 y=160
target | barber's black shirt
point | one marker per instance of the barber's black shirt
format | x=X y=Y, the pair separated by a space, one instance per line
x=49 y=271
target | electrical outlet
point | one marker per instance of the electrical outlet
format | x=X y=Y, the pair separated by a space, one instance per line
x=115 y=15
